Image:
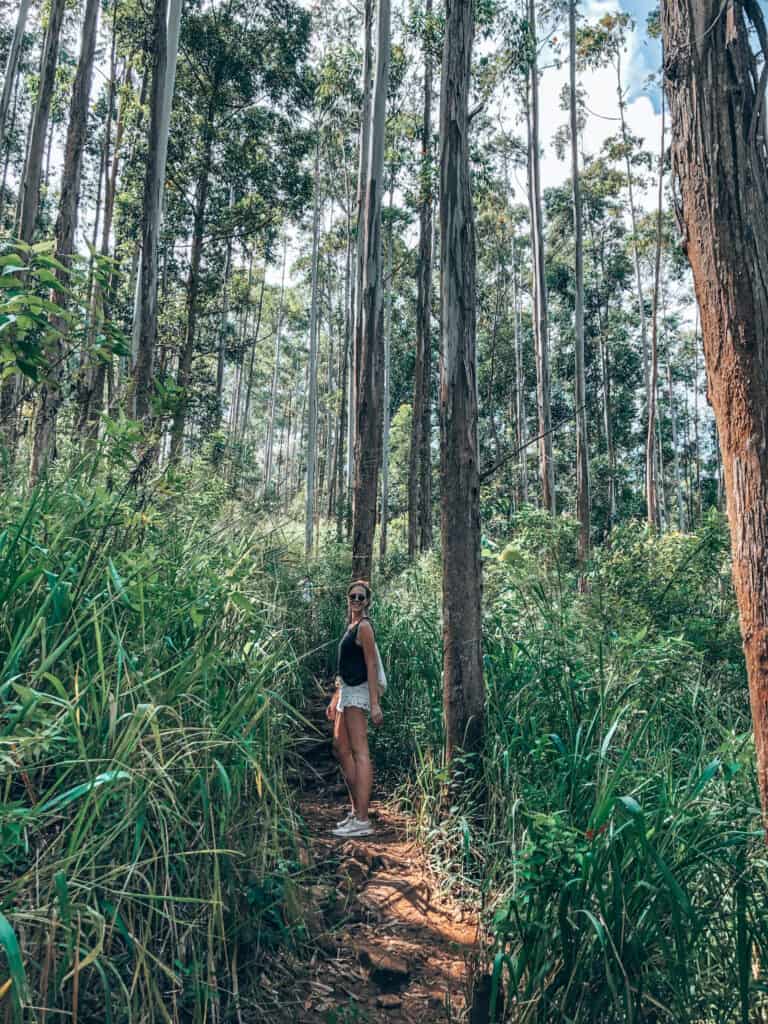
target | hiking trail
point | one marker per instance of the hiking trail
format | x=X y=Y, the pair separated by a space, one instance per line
x=389 y=946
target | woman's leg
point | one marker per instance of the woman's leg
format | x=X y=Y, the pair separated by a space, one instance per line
x=343 y=751
x=357 y=731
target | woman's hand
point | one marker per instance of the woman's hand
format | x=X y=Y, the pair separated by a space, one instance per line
x=330 y=711
x=377 y=716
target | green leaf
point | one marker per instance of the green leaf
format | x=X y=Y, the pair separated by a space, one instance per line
x=64 y=799
x=120 y=586
x=10 y=944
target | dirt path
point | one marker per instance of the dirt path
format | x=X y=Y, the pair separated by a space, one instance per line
x=389 y=947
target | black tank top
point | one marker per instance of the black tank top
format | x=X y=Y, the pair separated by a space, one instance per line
x=351 y=661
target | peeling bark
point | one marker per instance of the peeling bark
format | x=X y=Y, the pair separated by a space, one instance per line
x=463 y=694
x=717 y=103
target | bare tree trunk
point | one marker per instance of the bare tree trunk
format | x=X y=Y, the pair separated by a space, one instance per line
x=386 y=425
x=605 y=372
x=275 y=375
x=541 y=331
x=249 y=388
x=7 y=148
x=356 y=297
x=420 y=447
x=145 y=318
x=309 y=517
x=29 y=189
x=370 y=366
x=93 y=397
x=12 y=65
x=187 y=354
x=221 y=355
x=341 y=436
x=166 y=27
x=651 y=496
x=675 y=451
x=717 y=102
x=520 y=411
x=463 y=693
x=50 y=396
x=633 y=215
x=582 y=457
x=344 y=513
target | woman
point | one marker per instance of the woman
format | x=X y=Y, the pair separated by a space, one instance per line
x=357 y=692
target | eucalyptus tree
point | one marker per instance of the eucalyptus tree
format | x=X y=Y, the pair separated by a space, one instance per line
x=370 y=348
x=420 y=455
x=239 y=111
x=50 y=396
x=12 y=66
x=145 y=317
x=463 y=694
x=276 y=370
x=720 y=164
x=582 y=455
x=309 y=512
x=652 y=454
x=29 y=189
x=166 y=27
x=540 y=320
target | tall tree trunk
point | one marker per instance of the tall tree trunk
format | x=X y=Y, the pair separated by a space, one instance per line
x=7 y=155
x=50 y=397
x=222 y=347
x=386 y=422
x=12 y=66
x=370 y=366
x=165 y=47
x=717 y=102
x=93 y=397
x=145 y=317
x=29 y=189
x=187 y=353
x=425 y=458
x=275 y=376
x=463 y=695
x=605 y=372
x=344 y=513
x=675 y=451
x=249 y=388
x=633 y=216
x=582 y=458
x=340 y=439
x=651 y=496
x=356 y=295
x=520 y=411
x=422 y=370
x=540 y=325
x=696 y=417
x=309 y=517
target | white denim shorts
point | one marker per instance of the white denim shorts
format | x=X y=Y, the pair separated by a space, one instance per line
x=354 y=697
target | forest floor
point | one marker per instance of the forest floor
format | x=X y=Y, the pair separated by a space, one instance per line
x=388 y=944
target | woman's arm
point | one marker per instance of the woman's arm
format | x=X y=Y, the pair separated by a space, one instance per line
x=330 y=711
x=367 y=641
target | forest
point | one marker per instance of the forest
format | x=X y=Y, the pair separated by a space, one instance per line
x=465 y=300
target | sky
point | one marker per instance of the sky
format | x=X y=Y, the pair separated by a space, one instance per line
x=643 y=102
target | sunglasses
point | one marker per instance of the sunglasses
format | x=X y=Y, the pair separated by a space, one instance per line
x=356 y=597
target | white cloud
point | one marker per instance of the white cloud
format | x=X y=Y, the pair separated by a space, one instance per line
x=600 y=87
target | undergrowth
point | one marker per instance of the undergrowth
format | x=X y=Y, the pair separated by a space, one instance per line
x=148 y=687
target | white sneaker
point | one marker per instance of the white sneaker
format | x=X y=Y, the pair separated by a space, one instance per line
x=353 y=827
x=345 y=819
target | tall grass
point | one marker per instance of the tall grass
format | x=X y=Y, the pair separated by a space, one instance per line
x=147 y=686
